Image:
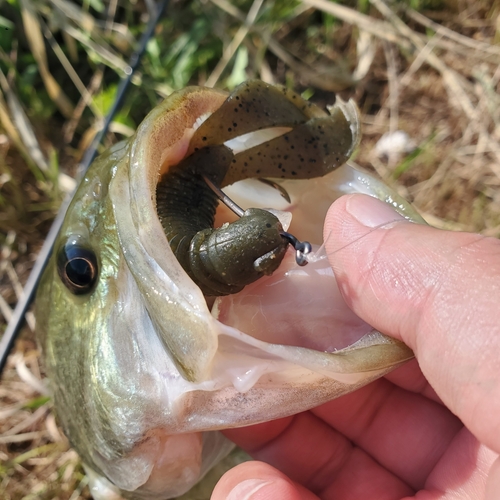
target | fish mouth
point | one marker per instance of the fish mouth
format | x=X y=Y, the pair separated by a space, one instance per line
x=197 y=341
x=296 y=306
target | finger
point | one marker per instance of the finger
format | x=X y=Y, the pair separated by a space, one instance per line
x=410 y=377
x=415 y=439
x=320 y=458
x=347 y=472
x=437 y=291
x=493 y=484
x=462 y=472
x=404 y=432
x=258 y=481
x=255 y=437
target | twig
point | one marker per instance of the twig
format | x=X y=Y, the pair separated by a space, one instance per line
x=418 y=61
x=106 y=54
x=381 y=29
x=20 y=438
x=33 y=418
x=230 y=9
x=440 y=173
x=393 y=98
x=450 y=77
x=27 y=376
x=73 y=12
x=14 y=279
x=71 y=71
x=35 y=39
x=442 y=224
x=5 y=309
x=52 y=429
x=110 y=16
x=443 y=31
x=8 y=411
x=22 y=127
x=76 y=493
x=366 y=49
x=392 y=75
x=306 y=71
x=70 y=127
x=235 y=43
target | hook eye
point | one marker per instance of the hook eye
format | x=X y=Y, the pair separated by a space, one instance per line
x=77 y=266
x=302 y=248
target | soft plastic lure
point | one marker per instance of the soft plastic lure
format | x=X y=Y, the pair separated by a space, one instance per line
x=310 y=143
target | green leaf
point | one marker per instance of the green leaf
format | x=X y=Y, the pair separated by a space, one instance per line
x=97 y=5
x=409 y=161
x=36 y=402
x=307 y=94
x=238 y=75
x=6 y=24
x=105 y=99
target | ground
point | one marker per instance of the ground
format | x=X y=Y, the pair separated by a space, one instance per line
x=428 y=68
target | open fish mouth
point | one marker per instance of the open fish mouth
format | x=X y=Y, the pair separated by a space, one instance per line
x=218 y=353
x=156 y=368
x=296 y=306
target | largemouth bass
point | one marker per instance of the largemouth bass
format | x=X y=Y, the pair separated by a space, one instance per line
x=142 y=370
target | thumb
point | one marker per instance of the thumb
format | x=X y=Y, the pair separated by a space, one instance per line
x=437 y=291
x=258 y=481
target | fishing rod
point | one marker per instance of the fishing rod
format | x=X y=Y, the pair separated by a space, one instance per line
x=17 y=320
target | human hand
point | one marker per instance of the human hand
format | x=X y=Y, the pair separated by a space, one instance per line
x=428 y=430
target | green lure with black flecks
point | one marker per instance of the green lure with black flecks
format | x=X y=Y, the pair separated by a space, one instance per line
x=222 y=261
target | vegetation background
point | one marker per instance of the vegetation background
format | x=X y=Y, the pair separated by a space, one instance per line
x=428 y=68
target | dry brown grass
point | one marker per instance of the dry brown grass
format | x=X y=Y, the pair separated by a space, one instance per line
x=443 y=90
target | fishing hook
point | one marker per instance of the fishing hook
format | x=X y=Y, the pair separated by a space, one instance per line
x=302 y=248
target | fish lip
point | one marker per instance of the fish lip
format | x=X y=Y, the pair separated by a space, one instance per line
x=147 y=253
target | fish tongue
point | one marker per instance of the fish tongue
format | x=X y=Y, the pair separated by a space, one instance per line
x=296 y=306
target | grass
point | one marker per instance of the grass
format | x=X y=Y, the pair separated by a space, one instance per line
x=428 y=67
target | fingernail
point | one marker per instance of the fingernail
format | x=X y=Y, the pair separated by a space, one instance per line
x=371 y=212
x=246 y=489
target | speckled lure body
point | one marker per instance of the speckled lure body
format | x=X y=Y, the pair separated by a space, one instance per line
x=311 y=143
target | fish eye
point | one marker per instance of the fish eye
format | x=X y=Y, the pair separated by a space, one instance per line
x=77 y=267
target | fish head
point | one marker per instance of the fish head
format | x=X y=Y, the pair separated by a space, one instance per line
x=143 y=371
